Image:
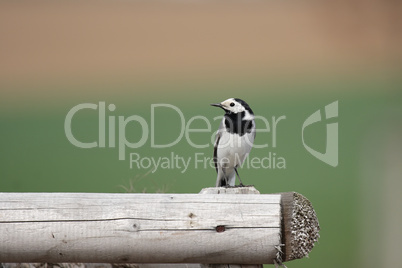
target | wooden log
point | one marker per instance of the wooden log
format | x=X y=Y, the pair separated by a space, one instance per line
x=139 y=228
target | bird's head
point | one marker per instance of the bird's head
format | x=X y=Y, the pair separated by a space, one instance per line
x=234 y=106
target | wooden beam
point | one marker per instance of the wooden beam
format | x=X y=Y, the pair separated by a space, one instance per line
x=140 y=228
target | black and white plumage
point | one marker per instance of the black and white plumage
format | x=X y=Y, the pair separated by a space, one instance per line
x=234 y=140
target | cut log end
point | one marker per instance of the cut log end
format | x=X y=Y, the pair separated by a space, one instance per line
x=300 y=226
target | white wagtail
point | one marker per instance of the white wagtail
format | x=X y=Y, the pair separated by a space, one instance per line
x=233 y=141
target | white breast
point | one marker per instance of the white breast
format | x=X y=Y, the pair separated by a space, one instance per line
x=233 y=149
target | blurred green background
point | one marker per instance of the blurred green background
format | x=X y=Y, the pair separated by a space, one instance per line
x=284 y=59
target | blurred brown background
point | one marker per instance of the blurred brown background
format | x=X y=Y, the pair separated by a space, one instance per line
x=114 y=41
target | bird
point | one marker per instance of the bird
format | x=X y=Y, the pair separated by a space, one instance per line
x=233 y=141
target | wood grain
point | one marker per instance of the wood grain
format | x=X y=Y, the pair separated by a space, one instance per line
x=139 y=228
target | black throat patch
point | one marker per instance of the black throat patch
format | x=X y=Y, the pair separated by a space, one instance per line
x=235 y=125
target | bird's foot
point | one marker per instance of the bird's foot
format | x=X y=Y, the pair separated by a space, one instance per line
x=242 y=185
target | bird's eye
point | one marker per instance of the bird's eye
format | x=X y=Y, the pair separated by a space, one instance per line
x=232 y=104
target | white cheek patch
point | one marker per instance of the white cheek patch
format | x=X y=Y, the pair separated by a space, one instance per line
x=238 y=108
x=247 y=116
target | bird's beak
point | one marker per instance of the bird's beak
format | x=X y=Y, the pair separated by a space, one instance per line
x=216 y=105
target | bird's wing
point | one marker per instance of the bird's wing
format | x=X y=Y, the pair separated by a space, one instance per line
x=254 y=131
x=217 y=138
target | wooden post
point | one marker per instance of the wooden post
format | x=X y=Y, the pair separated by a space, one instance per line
x=145 y=228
